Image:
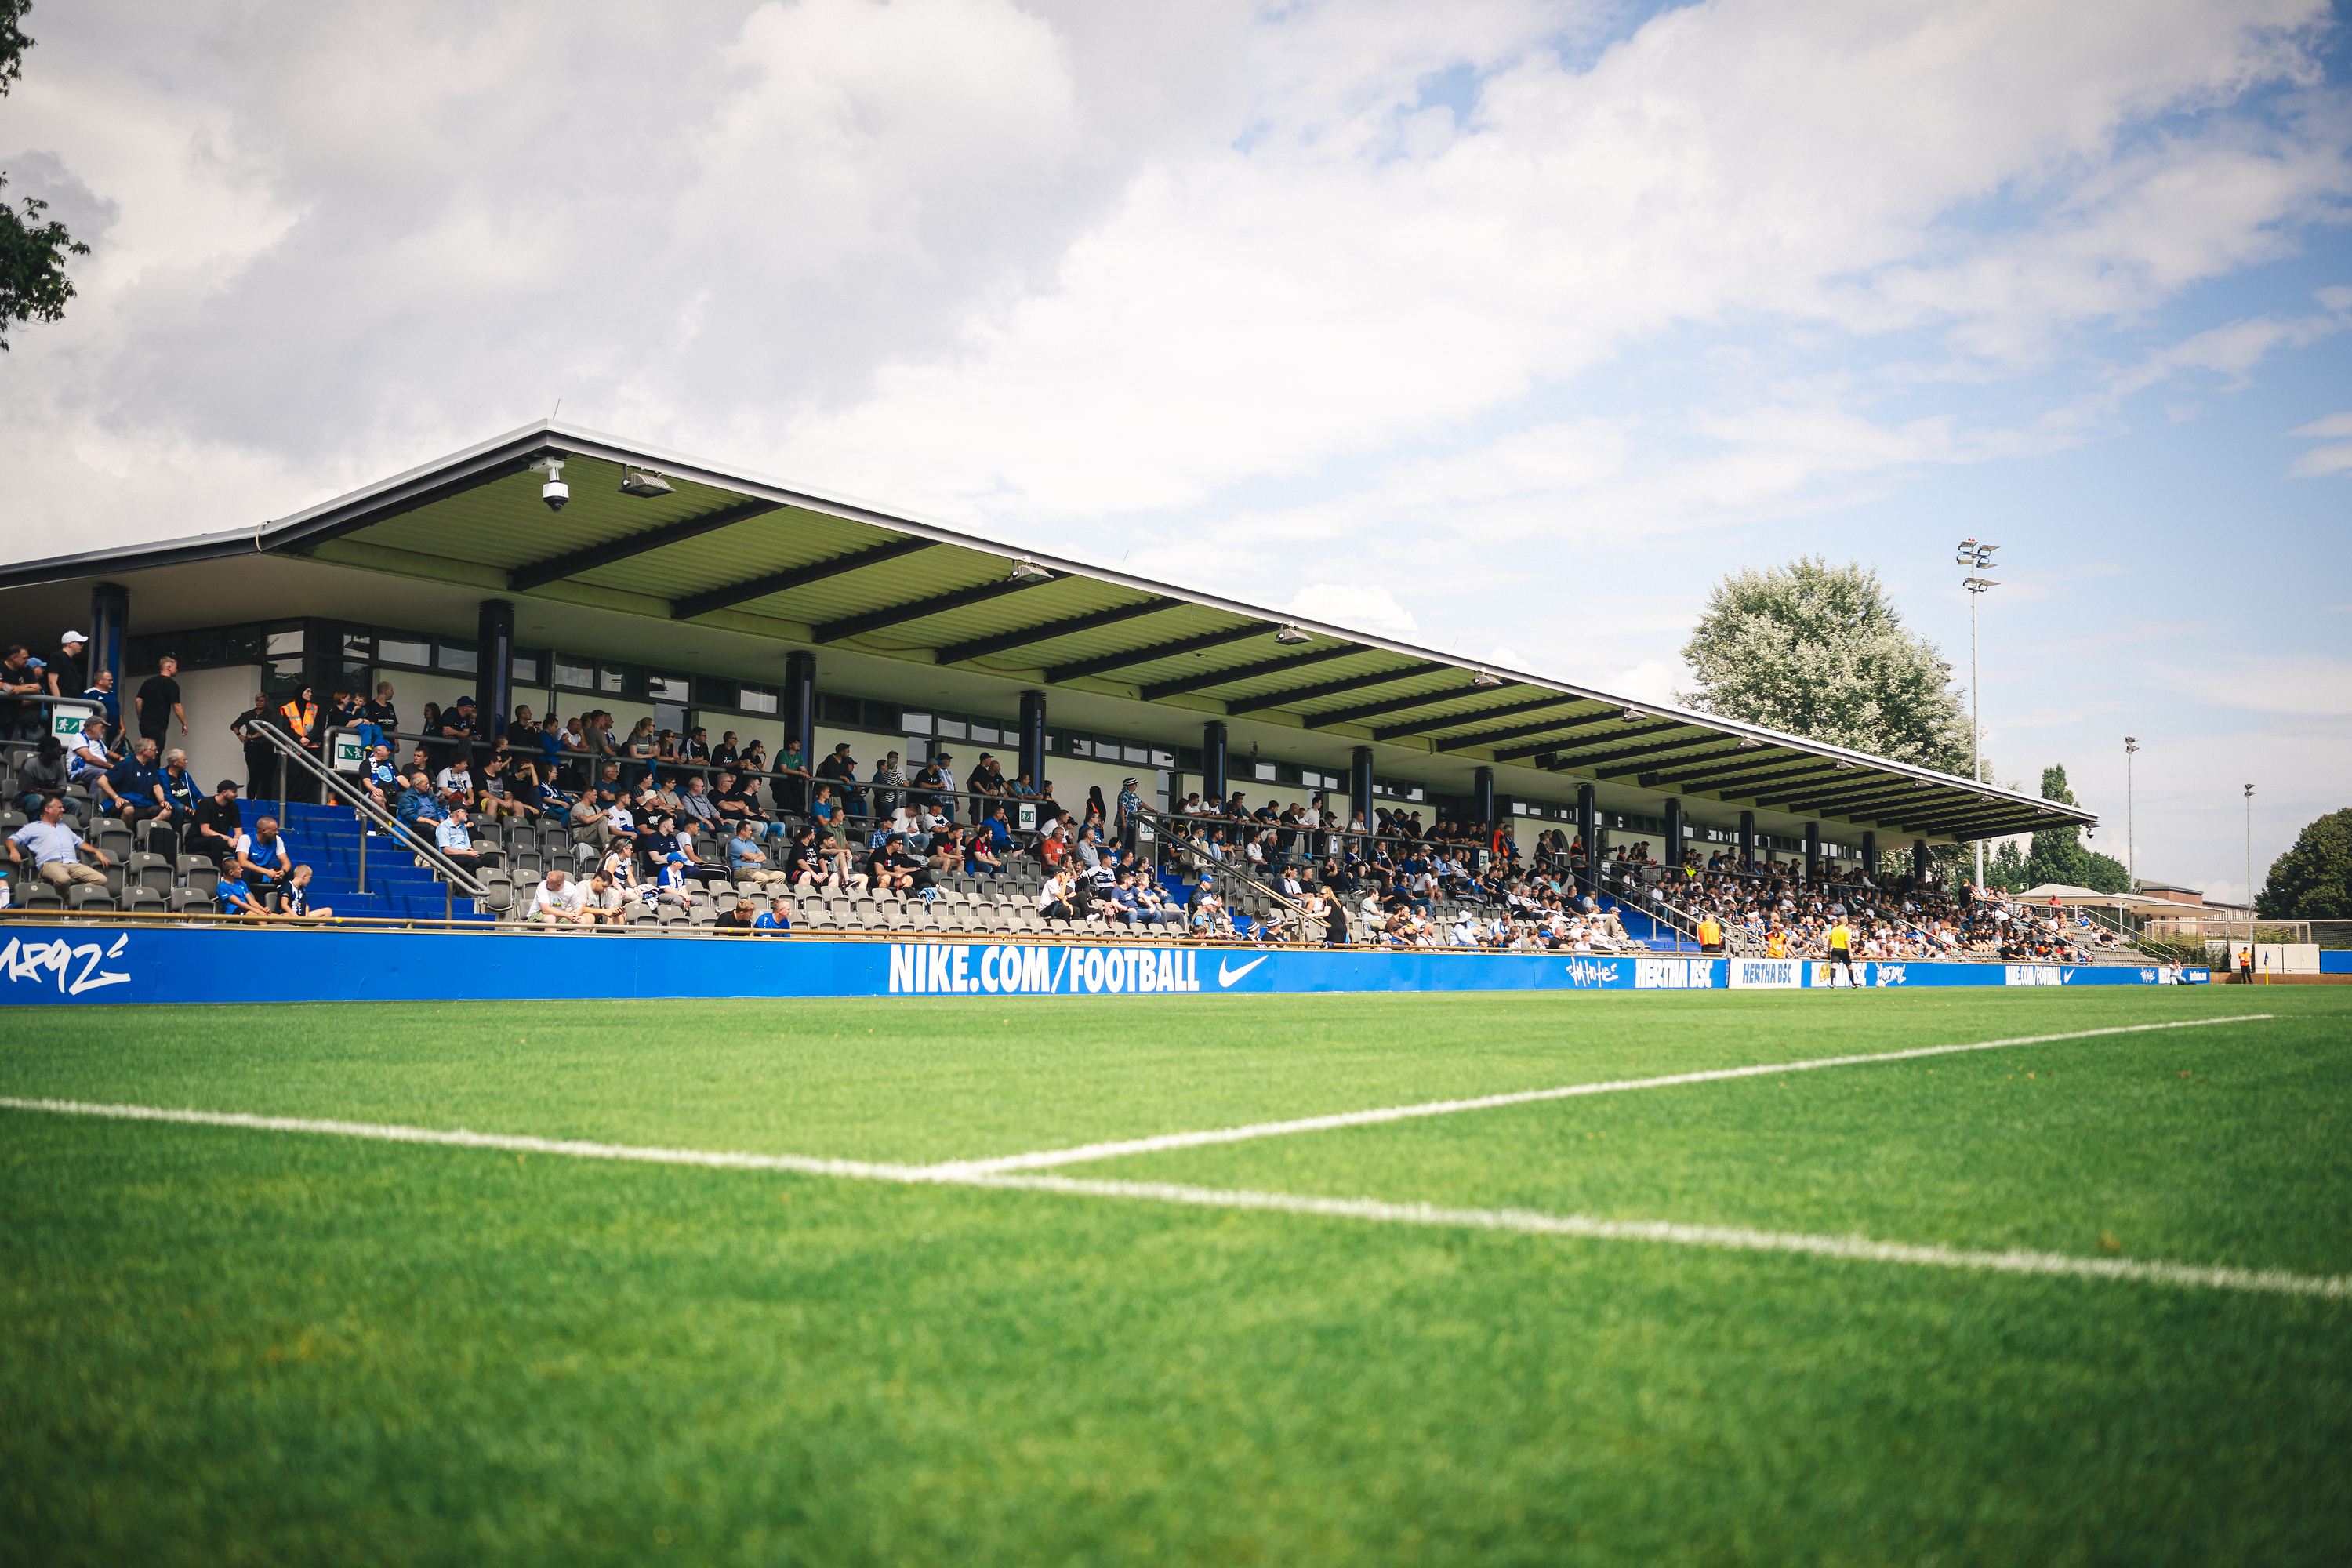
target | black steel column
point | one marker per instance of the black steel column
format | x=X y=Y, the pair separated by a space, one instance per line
x=1870 y=855
x=1748 y=839
x=1360 y=789
x=1481 y=794
x=1214 y=786
x=1032 y=737
x=800 y=704
x=1919 y=860
x=110 y=614
x=1588 y=828
x=1674 y=854
x=494 y=666
x=1813 y=852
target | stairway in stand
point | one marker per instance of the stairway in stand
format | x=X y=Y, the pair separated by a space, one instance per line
x=326 y=840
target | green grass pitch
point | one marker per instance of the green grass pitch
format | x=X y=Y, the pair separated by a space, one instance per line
x=221 y=1345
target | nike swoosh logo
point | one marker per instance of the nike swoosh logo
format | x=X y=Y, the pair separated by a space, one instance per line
x=1226 y=976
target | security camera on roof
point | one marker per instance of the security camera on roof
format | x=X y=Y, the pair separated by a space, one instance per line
x=554 y=492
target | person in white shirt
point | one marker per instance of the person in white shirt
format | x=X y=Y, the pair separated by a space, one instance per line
x=558 y=901
x=455 y=784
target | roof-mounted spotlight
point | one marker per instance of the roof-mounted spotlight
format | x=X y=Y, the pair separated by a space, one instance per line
x=1843 y=765
x=554 y=492
x=1480 y=680
x=1918 y=784
x=1749 y=743
x=1631 y=714
x=1289 y=635
x=643 y=483
x=1027 y=571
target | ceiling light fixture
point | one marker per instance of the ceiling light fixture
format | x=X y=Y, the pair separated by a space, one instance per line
x=1027 y=571
x=1631 y=715
x=1291 y=637
x=1482 y=681
x=642 y=483
x=1748 y=743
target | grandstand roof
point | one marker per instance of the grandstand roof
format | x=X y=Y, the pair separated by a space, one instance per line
x=730 y=556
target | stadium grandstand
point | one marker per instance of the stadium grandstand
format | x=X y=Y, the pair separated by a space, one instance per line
x=558 y=680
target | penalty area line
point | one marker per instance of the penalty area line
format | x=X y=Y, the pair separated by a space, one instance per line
x=1044 y=1159
x=1734 y=1239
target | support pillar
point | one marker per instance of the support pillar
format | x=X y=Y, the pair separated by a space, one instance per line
x=1588 y=828
x=1813 y=852
x=1748 y=840
x=1360 y=786
x=110 y=616
x=494 y=630
x=800 y=704
x=1870 y=855
x=1215 y=786
x=1032 y=737
x=1674 y=854
x=1919 y=860
x=1481 y=794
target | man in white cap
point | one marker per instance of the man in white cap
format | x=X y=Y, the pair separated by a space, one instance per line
x=67 y=675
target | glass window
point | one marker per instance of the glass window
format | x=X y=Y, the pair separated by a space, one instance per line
x=987 y=736
x=609 y=678
x=579 y=675
x=1262 y=771
x=915 y=724
x=755 y=699
x=286 y=669
x=1163 y=759
x=524 y=669
x=402 y=650
x=459 y=660
x=1081 y=747
x=285 y=642
x=360 y=646
x=1136 y=754
x=1414 y=794
x=950 y=730
x=666 y=687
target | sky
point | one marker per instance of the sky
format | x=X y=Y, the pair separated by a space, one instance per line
x=1506 y=326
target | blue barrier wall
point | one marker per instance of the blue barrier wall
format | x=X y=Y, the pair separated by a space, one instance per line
x=55 y=965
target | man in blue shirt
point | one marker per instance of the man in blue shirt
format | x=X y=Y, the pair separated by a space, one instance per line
x=455 y=841
x=262 y=864
x=776 y=920
x=132 y=788
x=55 y=848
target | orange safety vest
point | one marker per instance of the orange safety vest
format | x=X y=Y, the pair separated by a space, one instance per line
x=300 y=716
x=1710 y=933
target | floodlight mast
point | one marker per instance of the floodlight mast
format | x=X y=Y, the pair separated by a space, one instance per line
x=2131 y=820
x=1978 y=556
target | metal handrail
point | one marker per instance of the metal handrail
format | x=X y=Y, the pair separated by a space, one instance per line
x=454 y=877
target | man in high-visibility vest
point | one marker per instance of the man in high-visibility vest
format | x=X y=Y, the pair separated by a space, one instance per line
x=1841 y=952
x=1710 y=935
x=299 y=717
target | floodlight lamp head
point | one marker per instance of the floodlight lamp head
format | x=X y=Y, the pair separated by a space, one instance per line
x=1749 y=743
x=1480 y=680
x=1027 y=571
x=1631 y=714
x=1291 y=637
x=643 y=485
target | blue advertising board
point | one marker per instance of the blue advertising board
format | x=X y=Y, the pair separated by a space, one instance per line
x=68 y=964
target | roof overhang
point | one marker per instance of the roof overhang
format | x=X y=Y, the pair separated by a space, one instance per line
x=741 y=555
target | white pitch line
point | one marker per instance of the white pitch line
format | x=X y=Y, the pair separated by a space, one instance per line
x=1082 y=1153
x=1658 y=1232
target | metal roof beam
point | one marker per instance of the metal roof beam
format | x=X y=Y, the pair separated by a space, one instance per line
x=555 y=568
x=916 y=609
x=1328 y=688
x=1746 y=761
x=1566 y=757
x=1542 y=749
x=694 y=605
x=1518 y=731
x=1457 y=720
x=1348 y=715
x=1823 y=793
x=1619 y=769
x=1102 y=664
x=1744 y=785
x=1002 y=642
x=1202 y=680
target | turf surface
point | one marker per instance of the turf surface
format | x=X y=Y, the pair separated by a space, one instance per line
x=219 y=1345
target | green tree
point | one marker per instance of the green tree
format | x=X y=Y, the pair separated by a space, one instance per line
x=2057 y=854
x=2005 y=870
x=33 y=282
x=2312 y=881
x=1819 y=651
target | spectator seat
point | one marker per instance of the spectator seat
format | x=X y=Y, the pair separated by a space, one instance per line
x=702 y=914
x=149 y=871
x=197 y=871
x=182 y=899
x=86 y=896
x=146 y=901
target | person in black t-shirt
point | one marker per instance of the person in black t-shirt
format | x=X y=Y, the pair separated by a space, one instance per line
x=159 y=703
x=214 y=830
x=68 y=675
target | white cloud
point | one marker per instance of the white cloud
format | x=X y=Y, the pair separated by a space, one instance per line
x=1353 y=606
